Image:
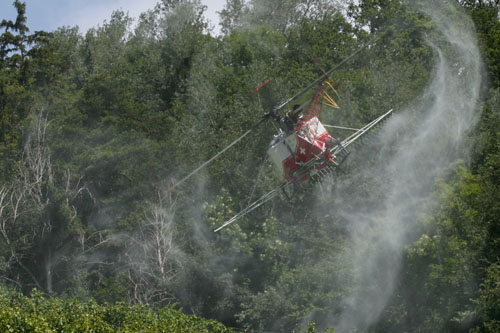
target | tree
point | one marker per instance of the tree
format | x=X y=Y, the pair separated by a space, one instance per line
x=40 y=219
x=13 y=48
x=231 y=17
x=153 y=259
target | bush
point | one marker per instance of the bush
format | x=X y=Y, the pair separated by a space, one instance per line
x=39 y=313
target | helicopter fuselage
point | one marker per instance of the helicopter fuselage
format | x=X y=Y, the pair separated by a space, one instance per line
x=291 y=150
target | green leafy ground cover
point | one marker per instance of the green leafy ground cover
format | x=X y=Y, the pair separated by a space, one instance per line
x=39 y=313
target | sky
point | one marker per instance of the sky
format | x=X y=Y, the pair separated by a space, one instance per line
x=48 y=15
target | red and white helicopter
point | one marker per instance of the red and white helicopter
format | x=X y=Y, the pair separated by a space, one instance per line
x=303 y=149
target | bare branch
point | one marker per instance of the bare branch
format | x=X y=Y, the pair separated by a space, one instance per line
x=153 y=261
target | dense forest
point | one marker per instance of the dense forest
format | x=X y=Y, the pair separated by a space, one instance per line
x=96 y=125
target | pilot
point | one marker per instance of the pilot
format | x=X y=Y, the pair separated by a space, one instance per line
x=291 y=118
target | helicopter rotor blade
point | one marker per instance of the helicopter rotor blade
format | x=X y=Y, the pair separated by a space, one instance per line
x=192 y=173
x=274 y=111
x=325 y=75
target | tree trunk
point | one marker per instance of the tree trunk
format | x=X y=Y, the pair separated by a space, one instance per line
x=48 y=270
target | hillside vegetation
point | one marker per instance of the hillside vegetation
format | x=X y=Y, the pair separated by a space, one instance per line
x=96 y=125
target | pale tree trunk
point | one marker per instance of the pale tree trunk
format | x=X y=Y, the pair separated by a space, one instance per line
x=48 y=270
x=12 y=200
x=152 y=260
x=27 y=196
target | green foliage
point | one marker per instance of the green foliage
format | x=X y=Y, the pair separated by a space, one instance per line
x=443 y=269
x=39 y=313
x=129 y=109
x=485 y=16
x=489 y=300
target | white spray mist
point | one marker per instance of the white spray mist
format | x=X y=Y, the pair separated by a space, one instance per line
x=426 y=142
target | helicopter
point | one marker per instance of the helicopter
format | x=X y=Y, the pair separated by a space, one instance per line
x=302 y=150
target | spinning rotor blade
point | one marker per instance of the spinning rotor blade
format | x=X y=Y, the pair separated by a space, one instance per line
x=274 y=111
x=218 y=154
x=324 y=76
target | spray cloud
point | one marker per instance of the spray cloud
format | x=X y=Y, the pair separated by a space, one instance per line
x=418 y=144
